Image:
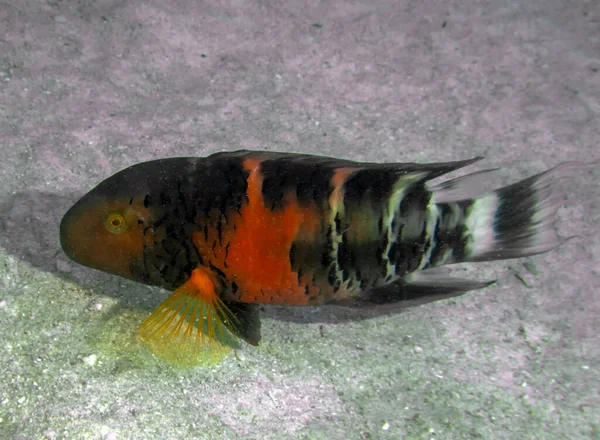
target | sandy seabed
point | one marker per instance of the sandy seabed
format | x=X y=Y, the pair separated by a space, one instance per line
x=88 y=88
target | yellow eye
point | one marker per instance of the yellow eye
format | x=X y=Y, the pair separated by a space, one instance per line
x=115 y=223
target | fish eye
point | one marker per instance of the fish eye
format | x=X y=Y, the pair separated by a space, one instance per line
x=115 y=223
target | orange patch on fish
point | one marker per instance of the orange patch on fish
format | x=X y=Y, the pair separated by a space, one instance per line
x=254 y=252
x=337 y=181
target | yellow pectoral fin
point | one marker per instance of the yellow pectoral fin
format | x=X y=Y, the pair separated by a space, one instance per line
x=192 y=326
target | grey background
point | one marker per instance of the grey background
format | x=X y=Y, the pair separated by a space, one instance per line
x=90 y=87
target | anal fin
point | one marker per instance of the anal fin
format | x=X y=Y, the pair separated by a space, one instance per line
x=420 y=288
x=193 y=326
x=437 y=280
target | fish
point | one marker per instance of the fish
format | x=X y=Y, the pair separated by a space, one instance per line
x=234 y=230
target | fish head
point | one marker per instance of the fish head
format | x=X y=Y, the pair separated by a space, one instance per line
x=107 y=229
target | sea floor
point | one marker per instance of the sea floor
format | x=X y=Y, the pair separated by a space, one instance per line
x=90 y=87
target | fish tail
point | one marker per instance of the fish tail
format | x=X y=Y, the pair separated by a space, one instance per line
x=511 y=222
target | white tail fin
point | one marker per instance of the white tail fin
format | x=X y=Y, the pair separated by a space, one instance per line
x=517 y=220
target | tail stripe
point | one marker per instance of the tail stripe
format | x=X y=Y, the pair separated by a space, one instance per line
x=431 y=226
x=480 y=225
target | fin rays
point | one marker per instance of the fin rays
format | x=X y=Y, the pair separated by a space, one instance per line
x=190 y=329
x=523 y=216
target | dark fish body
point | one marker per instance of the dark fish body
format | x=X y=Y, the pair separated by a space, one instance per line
x=290 y=229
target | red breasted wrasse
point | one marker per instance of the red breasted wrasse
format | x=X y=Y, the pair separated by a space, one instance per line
x=234 y=230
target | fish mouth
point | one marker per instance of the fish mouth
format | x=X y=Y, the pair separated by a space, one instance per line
x=77 y=229
x=66 y=240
